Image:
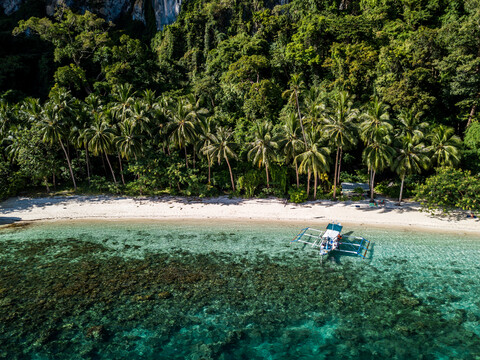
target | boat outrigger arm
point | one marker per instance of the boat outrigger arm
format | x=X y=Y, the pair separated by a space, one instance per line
x=331 y=239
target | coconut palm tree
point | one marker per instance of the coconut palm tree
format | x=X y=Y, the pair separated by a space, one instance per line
x=409 y=124
x=411 y=158
x=181 y=127
x=139 y=117
x=101 y=136
x=129 y=141
x=313 y=160
x=375 y=120
x=297 y=86
x=221 y=147
x=54 y=122
x=444 y=146
x=339 y=126
x=291 y=141
x=378 y=155
x=124 y=98
x=205 y=136
x=263 y=150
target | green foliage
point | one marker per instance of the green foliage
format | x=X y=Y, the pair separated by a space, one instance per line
x=449 y=189
x=250 y=181
x=370 y=86
x=298 y=196
x=10 y=182
x=472 y=136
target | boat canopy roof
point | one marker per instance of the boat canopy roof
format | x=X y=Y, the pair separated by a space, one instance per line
x=334 y=227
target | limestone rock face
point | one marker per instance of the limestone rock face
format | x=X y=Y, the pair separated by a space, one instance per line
x=166 y=11
x=10 y=6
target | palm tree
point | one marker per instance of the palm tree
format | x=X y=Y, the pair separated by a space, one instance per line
x=221 y=147
x=182 y=126
x=410 y=125
x=205 y=127
x=377 y=155
x=129 y=141
x=139 y=117
x=375 y=120
x=93 y=105
x=264 y=148
x=291 y=143
x=101 y=136
x=313 y=160
x=53 y=122
x=444 y=146
x=340 y=128
x=123 y=100
x=297 y=86
x=411 y=158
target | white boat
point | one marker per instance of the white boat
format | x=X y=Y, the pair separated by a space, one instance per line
x=331 y=239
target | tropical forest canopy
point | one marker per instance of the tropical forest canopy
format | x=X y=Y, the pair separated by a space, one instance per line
x=248 y=98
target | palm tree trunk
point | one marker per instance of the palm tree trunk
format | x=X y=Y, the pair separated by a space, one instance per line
x=231 y=174
x=401 y=191
x=121 y=168
x=46 y=184
x=372 y=186
x=268 y=179
x=209 y=169
x=339 y=165
x=308 y=183
x=69 y=164
x=296 y=172
x=300 y=118
x=111 y=169
x=186 y=159
x=335 y=175
x=87 y=159
x=315 y=188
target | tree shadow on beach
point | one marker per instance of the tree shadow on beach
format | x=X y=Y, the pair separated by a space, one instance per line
x=29 y=203
x=5 y=220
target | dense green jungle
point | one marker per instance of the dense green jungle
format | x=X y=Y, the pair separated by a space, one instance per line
x=248 y=98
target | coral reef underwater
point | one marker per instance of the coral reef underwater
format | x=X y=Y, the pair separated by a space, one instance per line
x=79 y=297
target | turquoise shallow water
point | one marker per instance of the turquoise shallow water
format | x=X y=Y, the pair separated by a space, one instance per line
x=158 y=290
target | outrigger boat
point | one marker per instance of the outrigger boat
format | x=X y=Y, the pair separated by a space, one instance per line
x=331 y=239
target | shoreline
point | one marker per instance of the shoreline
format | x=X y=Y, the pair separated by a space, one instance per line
x=225 y=209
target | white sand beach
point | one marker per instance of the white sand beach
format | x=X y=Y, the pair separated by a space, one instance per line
x=408 y=216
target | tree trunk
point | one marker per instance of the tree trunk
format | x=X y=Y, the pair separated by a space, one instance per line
x=335 y=175
x=308 y=183
x=87 y=157
x=296 y=172
x=472 y=114
x=111 y=169
x=339 y=165
x=300 y=118
x=401 y=191
x=69 y=165
x=194 y=155
x=121 y=168
x=46 y=184
x=209 y=169
x=186 y=159
x=54 y=181
x=372 y=186
x=268 y=179
x=231 y=174
x=315 y=189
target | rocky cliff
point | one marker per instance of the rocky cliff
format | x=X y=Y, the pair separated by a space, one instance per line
x=166 y=11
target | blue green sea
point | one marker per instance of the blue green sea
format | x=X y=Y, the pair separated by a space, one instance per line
x=205 y=290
